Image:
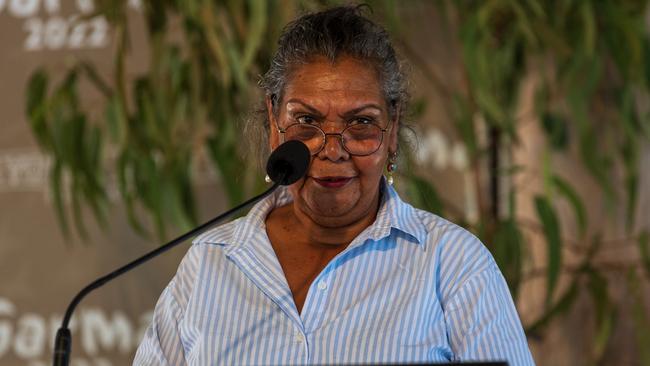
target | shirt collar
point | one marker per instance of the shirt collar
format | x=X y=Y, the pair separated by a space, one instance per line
x=393 y=214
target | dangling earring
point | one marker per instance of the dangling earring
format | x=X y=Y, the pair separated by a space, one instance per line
x=267 y=179
x=391 y=167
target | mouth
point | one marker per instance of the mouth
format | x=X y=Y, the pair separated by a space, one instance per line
x=332 y=182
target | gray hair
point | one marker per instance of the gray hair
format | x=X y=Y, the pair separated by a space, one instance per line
x=332 y=33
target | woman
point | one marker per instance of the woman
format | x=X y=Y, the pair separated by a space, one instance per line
x=335 y=268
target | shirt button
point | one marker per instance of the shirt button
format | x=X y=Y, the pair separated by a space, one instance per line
x=300 y=338
x=322 y=285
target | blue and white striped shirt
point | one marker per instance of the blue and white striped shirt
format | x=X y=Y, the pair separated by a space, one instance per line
x=412 y=287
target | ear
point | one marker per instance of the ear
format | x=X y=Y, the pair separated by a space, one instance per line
x=274 y=135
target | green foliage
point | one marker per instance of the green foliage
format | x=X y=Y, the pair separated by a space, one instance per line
x=560 y=307
x=187 y=104
x=508 y=250
x=605 y=312
x=557 y=130
x=564 y=188
x=590 y=66
x=551 y=226
x=641 y=322
x=63 y=131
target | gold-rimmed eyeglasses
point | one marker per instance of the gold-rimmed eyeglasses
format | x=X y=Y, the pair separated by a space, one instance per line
x=357 y=139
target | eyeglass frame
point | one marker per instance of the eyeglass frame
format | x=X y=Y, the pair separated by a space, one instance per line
x=282 y=131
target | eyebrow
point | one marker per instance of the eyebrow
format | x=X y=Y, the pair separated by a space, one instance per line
x=306 y=106
x=345 y=115
x=356 y=111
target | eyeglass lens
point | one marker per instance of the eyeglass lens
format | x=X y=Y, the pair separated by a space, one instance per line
x=356 y=139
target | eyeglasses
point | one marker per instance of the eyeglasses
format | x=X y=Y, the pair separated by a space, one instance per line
x=358 y=139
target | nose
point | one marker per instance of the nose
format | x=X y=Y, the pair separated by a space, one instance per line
x=333 y=149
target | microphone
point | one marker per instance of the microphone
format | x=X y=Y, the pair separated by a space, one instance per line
x=287 y=164
x=290 y=164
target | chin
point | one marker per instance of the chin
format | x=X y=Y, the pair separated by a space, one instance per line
x=332 y=208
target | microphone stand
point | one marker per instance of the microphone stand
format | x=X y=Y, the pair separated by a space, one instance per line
x=63 y=341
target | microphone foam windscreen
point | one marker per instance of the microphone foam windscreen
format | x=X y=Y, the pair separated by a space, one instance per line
x=288 y=163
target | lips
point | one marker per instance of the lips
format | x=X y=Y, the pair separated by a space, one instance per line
x=332 y=182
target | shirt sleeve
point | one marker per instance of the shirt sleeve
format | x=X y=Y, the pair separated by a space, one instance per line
x=162 y=342
x=483 y=323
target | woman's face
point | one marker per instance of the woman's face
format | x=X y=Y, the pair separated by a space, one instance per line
x=339 y=189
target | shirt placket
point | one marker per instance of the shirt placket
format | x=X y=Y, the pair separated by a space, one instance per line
x=269 y=278
x=315 y=308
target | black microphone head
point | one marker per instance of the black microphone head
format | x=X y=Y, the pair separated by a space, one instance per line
x=288 y=163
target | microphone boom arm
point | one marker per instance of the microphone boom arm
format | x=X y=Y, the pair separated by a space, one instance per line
x=63 y=342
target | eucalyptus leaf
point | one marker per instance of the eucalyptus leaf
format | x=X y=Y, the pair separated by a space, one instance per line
x=125 y=185
x=589 y=27
x=646 y=59
x=56 y=189
x=551 y=227
x=256 y=29
x=77 y=213
x=215 y=44
x=228 y=166
x=563 y=304
x=464 y=123
x=557 y=130
x=524 y=24
x=508 y=242
x=641 y=322
x=630 y=156
x=566 y=190
x=116 y=123
x=96 y=79
x=604 y=314
x=36 y=108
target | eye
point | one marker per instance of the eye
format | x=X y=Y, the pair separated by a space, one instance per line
x=307 y=119
x=362 y=121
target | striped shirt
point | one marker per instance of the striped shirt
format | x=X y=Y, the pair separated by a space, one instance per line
x=412 y=287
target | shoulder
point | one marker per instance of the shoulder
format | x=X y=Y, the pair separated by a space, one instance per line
x=211 y=247
x=206 y=250
x=459 y=255
x=451 y=240
x=456 y=250
x=211 y=241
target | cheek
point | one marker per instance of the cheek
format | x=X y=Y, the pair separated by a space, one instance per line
x=371 y=166
x=295 y=188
